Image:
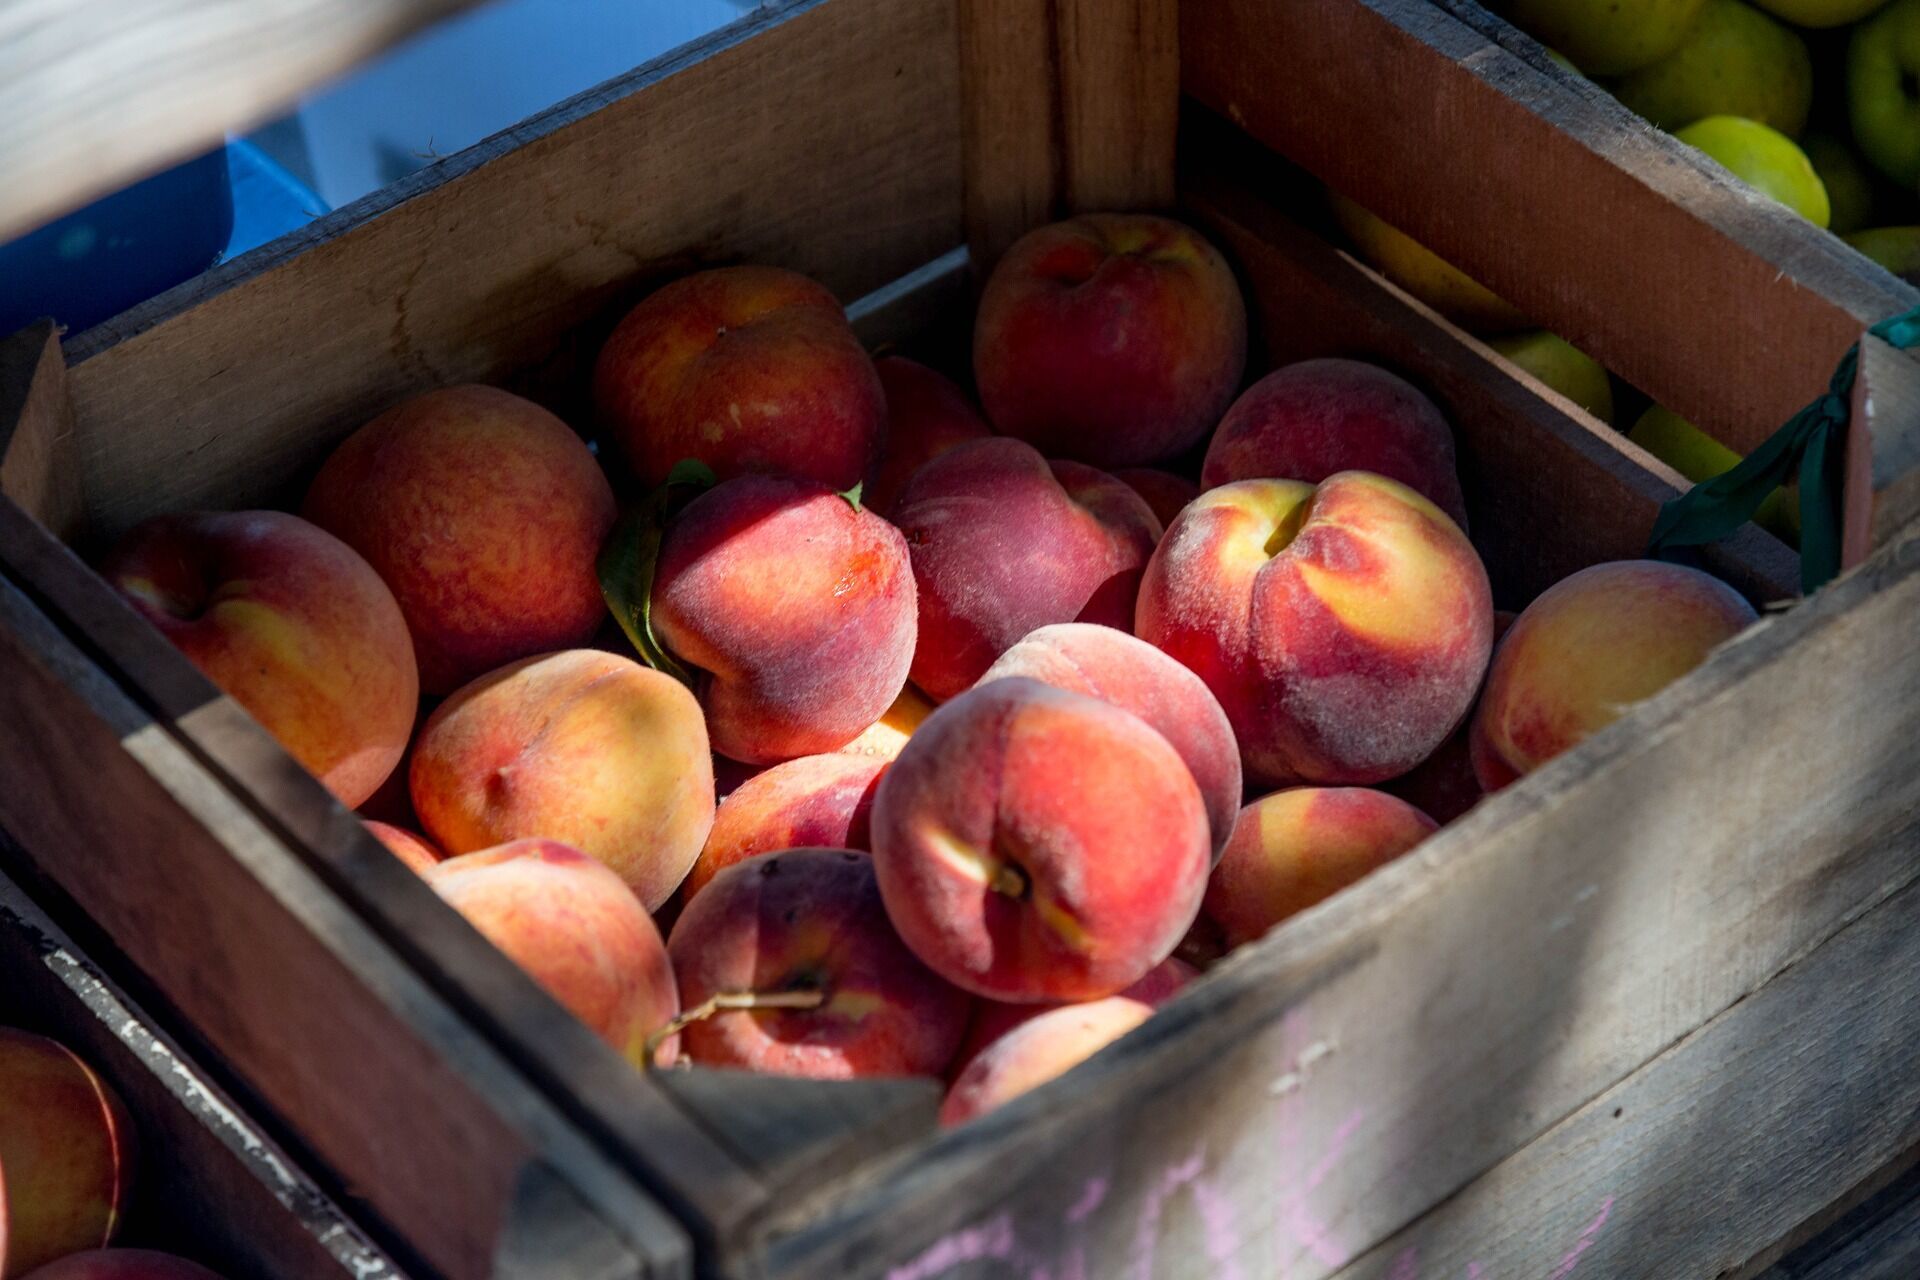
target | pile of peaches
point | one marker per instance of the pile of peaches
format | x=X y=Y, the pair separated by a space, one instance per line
x=987 y=684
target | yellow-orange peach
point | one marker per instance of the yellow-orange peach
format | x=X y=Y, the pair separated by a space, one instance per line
x=584 y=747
x=813 y=802
x=1344 y=628
x=1311 y=419
x=993 y=1019
x=810 y=922
x=1296 y=847
x=122 y=1264
x=1112 y=339
x=1589 y=647
x=1002 y=541
x=292 y=624
x=1037 y=1051
x=926 y=416
x=66 y=1154
x=485 y=514
x=748 y=369
x=416 y=851
x=576 y=929
x=1036 y=844
x=1133 y=675
x=883 y=739
x=1165 y=492
x=797 y=607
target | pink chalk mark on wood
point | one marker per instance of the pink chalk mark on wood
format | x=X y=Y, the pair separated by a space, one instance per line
x=1306 y=1229
x=1584 y=1243
x=1475 y=1271
x=1090 y=1199
x=1219 y=1234
x=970 y=1244
x=1406 y=1266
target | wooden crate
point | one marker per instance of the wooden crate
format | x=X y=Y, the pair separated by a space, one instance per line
x=1412 y=1079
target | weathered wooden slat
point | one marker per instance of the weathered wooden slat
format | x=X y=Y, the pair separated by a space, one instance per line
x=37 y=467
x=1876 y=1240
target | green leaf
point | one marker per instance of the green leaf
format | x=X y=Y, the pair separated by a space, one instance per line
x=631 y=557
x=853 y=495
x=692 y=471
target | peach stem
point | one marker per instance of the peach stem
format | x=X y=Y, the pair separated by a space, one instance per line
x=721 y=1000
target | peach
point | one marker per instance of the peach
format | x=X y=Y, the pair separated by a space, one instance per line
x=1111 y=339
x=748 y=369
x=883 y=739
x=1037 y=1051
x=926 y=416
x=292 y=624
x=1002 y=541
x=66 y=1154
x=485 y=514
x=1311 y=419
x=1344 y=628
x=416 y=851
x=1133 y=675
x=798 y=608
x=581 y=746
x=813 y=802
x=992 y=1019
x=1296 y=847
x=1037 y=844
x=1166 y=493
x=576 y=929
x=122 y=1264
x=1589 y=647
x=1444 y=785
x=809 y=924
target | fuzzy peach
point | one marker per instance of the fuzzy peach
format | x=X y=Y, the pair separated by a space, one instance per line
x=1589 y=647
x=1311 y=419
x=992 y=1019
x=582 y=746
x=66 y=1154
x=1444 y=785
x=797 y=607
x=883 y=739
x=814 y=802
x=1112 y=339
x=927 y=414
x=1344 y=628
x=1037 y=1051
x=1036 y=844
x=1296 y=847
x=809 y=924
x=416 y=851
x=292 y=624
x=748 y=369
x=122 y=1264
x=1133 y=675
x=1166 y=493
x=1003 y=541
x=576 y=929
x=484 y=513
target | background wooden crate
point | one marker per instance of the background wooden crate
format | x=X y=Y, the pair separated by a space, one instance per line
x=1305 y=1109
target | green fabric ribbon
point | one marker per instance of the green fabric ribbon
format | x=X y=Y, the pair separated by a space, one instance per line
x=1811 y=442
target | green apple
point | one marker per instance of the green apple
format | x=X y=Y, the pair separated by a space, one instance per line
x=1820 y=13
x=1562 y=366
x=1735 y=62
x=1895 y=248
x=1424 y=273
x=1698 y=456
x=1844 y=174
x=1765 y=159
x=1606 y=37
x=1883 y=90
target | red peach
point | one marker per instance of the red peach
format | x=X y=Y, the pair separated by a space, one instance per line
x=1002 y=541
x=576 y=929
x=416 y=851
x=1036 y=844
x=813 y=802
x=1037 y=1051
x=883 y=739
x=797 y=607
x=992 y=1019
x=1134 y=676
x=1589 y=647
x=485 y=514
x=122 y=1264
x=292 y=624
x=66 y=1154
x=1344 y=628
x=1296 y=847
x=1311 y=419
x=748 y=369
x=926 y=416
x=1165 y=492
x=810 y=921
x=1113 y=339
x=1444 y=786
x=584 y=747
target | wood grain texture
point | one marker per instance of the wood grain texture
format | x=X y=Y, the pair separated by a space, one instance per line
x=1319 y=1091
x=1710 y=1153
x=38 y=470
x=93 y=96
x=1877 y=1240
x=821 y=136
x=1718 y=303
x=1883 y=460
x=210 y=1183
